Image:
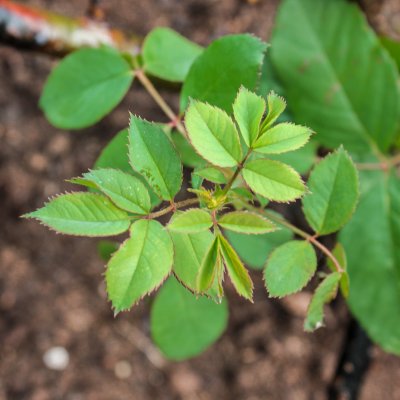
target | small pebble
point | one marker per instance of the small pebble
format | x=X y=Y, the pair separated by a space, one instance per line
x=56 y=358
x=122 y=369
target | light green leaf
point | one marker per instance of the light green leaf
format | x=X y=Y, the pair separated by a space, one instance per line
x=84 y=87
x=224 y=66
x=393 y=47
x=325 y=292
x=191 y=221
x=189 y=252
x=209 y=266
x=213 y=134
x=140 y=265
x=237 y=272
x=183 y=325
x=254 y=249
x=326 y=60
x=248 y=110
x=282 y=138
x=246 y=222
x=153 y=155
x=289 y=268
x=82 y=214
x=168 y=55
x=274 y=180
x=333 y=196
x=124 y=190
x=211 y=174
x=372 y=244
x=115 y=155
x=340 y=255
x=276 y=106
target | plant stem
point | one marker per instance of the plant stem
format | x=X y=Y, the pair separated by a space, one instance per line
x=310 y=238
x=172 y=207
x=153 y=92
x=383 y=166
x=236 y=173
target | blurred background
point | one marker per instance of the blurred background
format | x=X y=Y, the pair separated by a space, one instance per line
x=58 y=336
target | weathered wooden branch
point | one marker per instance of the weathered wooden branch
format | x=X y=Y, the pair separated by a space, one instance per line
x=31 y=28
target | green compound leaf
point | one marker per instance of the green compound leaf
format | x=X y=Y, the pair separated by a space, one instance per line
x=211 y=174
x=115 y=155
x=393 y=47
x=340 y=255
x=82 y=214
x=289 y=268
x=246 y=222
x=106 y=248
x=236 y=270
x=209 y=266
x=282 y=138
x=153 y=155
x=372 y=244
x=183 y=325
x=213 y=134
x=333 y=185
x=224 y=66
x=248 y=110
x=84 y=87
x=276 y=106
x=326 y=61
x=124 y=190
x=140 y=265
x=254 y=249
x=189 y=252
x=168 y=55
x=325 y=292
x=274 y=180
x=186 y=152
x=191 y=221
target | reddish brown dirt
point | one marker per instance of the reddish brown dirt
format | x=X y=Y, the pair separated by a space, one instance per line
x=51 y=287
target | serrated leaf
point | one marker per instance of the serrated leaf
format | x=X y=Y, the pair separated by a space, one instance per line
x=208 y=269
x=153 y=155
x=115 y=155
x=82 y=214
x=328 y=82
x=333 y=196
x=140 y=265
x=340 y=255
x=325 y=292
x=282 y=138
x=248 y=110
x=236 y=270
x=85 y=86
x=276 y=106
x=168 y=55
x=213 y=134
x=124 y=190
x=274 y=180
x=372 y=244
x=289 y=268
x=246 y=222
x=224 y=66
x=254 y=249
x=211 y=174
x=189 y=252
x=183 y=325
x=191 y=221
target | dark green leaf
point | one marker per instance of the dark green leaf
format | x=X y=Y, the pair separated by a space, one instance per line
x=85 y=87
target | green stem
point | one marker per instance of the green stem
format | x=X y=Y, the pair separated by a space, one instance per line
x=310 y=238
x=236 y=173
x=172 y=207
x=153 y=92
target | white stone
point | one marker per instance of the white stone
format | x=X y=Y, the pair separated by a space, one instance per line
x=56 y=358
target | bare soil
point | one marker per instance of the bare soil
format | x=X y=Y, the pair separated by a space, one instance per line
x=51 y=286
